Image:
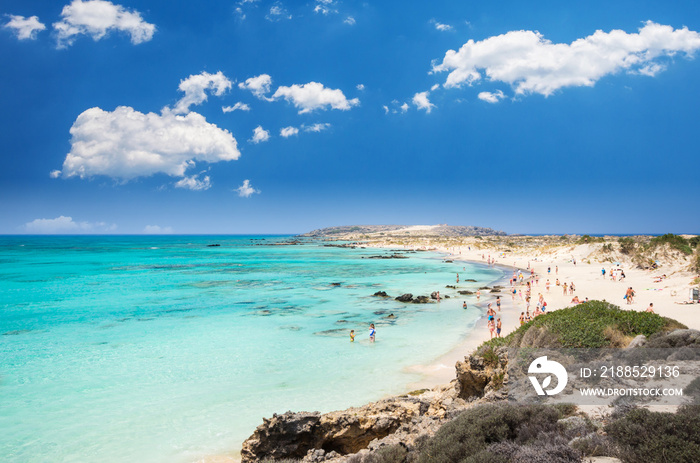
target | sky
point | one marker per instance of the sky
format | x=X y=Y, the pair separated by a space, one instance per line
x=276 y=117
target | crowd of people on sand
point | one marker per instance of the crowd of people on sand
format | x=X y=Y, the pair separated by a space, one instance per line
x=522 y=286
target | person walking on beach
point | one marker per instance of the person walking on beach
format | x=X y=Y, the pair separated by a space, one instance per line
x=491 y=326
x=603 y=272
x=498 y=328
x=498 y=303
x=352 y=335
x=547 y=285
x=372 y=332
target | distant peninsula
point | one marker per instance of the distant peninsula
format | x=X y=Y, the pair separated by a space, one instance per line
x=442 y=230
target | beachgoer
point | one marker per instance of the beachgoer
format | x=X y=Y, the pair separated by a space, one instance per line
x=565 y=288
x=498 y=303
x=557 y=283
x=557 y=269
x=498 y=328
x=458 y=278
x=491 y=326
x=478 y=294
x=650 y=308
x=547 y=285
x=464 y=305
x=603 y=272
x=522 y=318
x=372 y=332
x=352 y=335
x=549 y=270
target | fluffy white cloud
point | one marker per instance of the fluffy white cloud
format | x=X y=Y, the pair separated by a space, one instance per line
x=62 y=225
x=350 y=21
x=492 y=97
x=125 y=144
x=318 y=127
x=325 y=7
x=195 y=87
x=360 y=87
x=25 y=28
x=440 y=26
x=277 y=13
x=422 y=102
x=404 y=108
x=287 y=132
x=98 y=17
x=157 y=230
x=237 y=107
x=245 y=190
x=259 y=85
x=531 y=64
x=312 y=96
x=260 y=135
x=194 y=183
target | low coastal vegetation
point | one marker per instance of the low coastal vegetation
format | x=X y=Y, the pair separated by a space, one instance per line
x=591 y=324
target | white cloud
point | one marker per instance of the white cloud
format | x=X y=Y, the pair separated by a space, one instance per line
x=287 y=132
x=25 y=28
x=245 y=190
x=404 y=107
x=157 y=230
x=385 y=107
x=434 y=87
x=440 y=26
x=194 y=183
x=259 y=85
x=421 y=101
x=325 y=7
x=62 y=225
x=529 y=63
x=360 y=87
x=319 y=127
x=492 y=97
x=237 y=107
x=125 y=144
x=195 y=87
x=96 y=18
x=260 y=135
x=312 y=96
x=277 y=13
x=350 y=21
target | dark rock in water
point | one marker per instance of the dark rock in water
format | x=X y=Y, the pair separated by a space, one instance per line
x=497 y=287
x=213 y=245
x=465 y=293
x=470 y=280
x=446 y=296
x=335 y=284
x=381 y=294
x=332 y=333
x=495 y=291
x=408 y=297
x=449 y=262
x=340 y=322
x=484 y=287
x=391 y=315
x=421 y=300
x=392 y=256
x=451 y=287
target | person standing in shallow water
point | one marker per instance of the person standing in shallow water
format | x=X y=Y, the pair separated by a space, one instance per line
x=372 y=332
x=352 y=335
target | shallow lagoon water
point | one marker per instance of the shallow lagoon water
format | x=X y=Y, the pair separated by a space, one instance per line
x=162 y=349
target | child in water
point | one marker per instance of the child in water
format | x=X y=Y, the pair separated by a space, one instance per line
x=352 y=335
x=372 y=332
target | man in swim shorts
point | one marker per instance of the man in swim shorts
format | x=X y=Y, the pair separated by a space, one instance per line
x=372 y=332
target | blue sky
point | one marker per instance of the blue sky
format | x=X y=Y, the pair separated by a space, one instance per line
x=282 y=117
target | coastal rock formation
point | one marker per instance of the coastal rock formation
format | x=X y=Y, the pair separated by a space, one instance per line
x=299 y=435
x=381 y=294
x=421 y=300
x=477 y=375
x=408 y=297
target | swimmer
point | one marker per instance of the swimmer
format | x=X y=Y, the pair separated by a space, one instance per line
x=352 y=335
x=372 y=332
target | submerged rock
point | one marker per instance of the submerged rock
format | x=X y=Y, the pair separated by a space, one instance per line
x=408 y=297
x=380 y=294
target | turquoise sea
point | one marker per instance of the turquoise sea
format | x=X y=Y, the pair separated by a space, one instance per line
x=165 y=349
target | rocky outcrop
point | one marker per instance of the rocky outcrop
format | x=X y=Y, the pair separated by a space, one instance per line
x=319 y=437
x=421 y=300
x=408 y=297
x=478 y=375
x=381 y=294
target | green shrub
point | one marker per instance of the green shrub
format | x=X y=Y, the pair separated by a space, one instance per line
x=627 y=245
x=675 y=241
x=654 y=437
x=390 y=454
x=584 y=325
x=466 y=438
